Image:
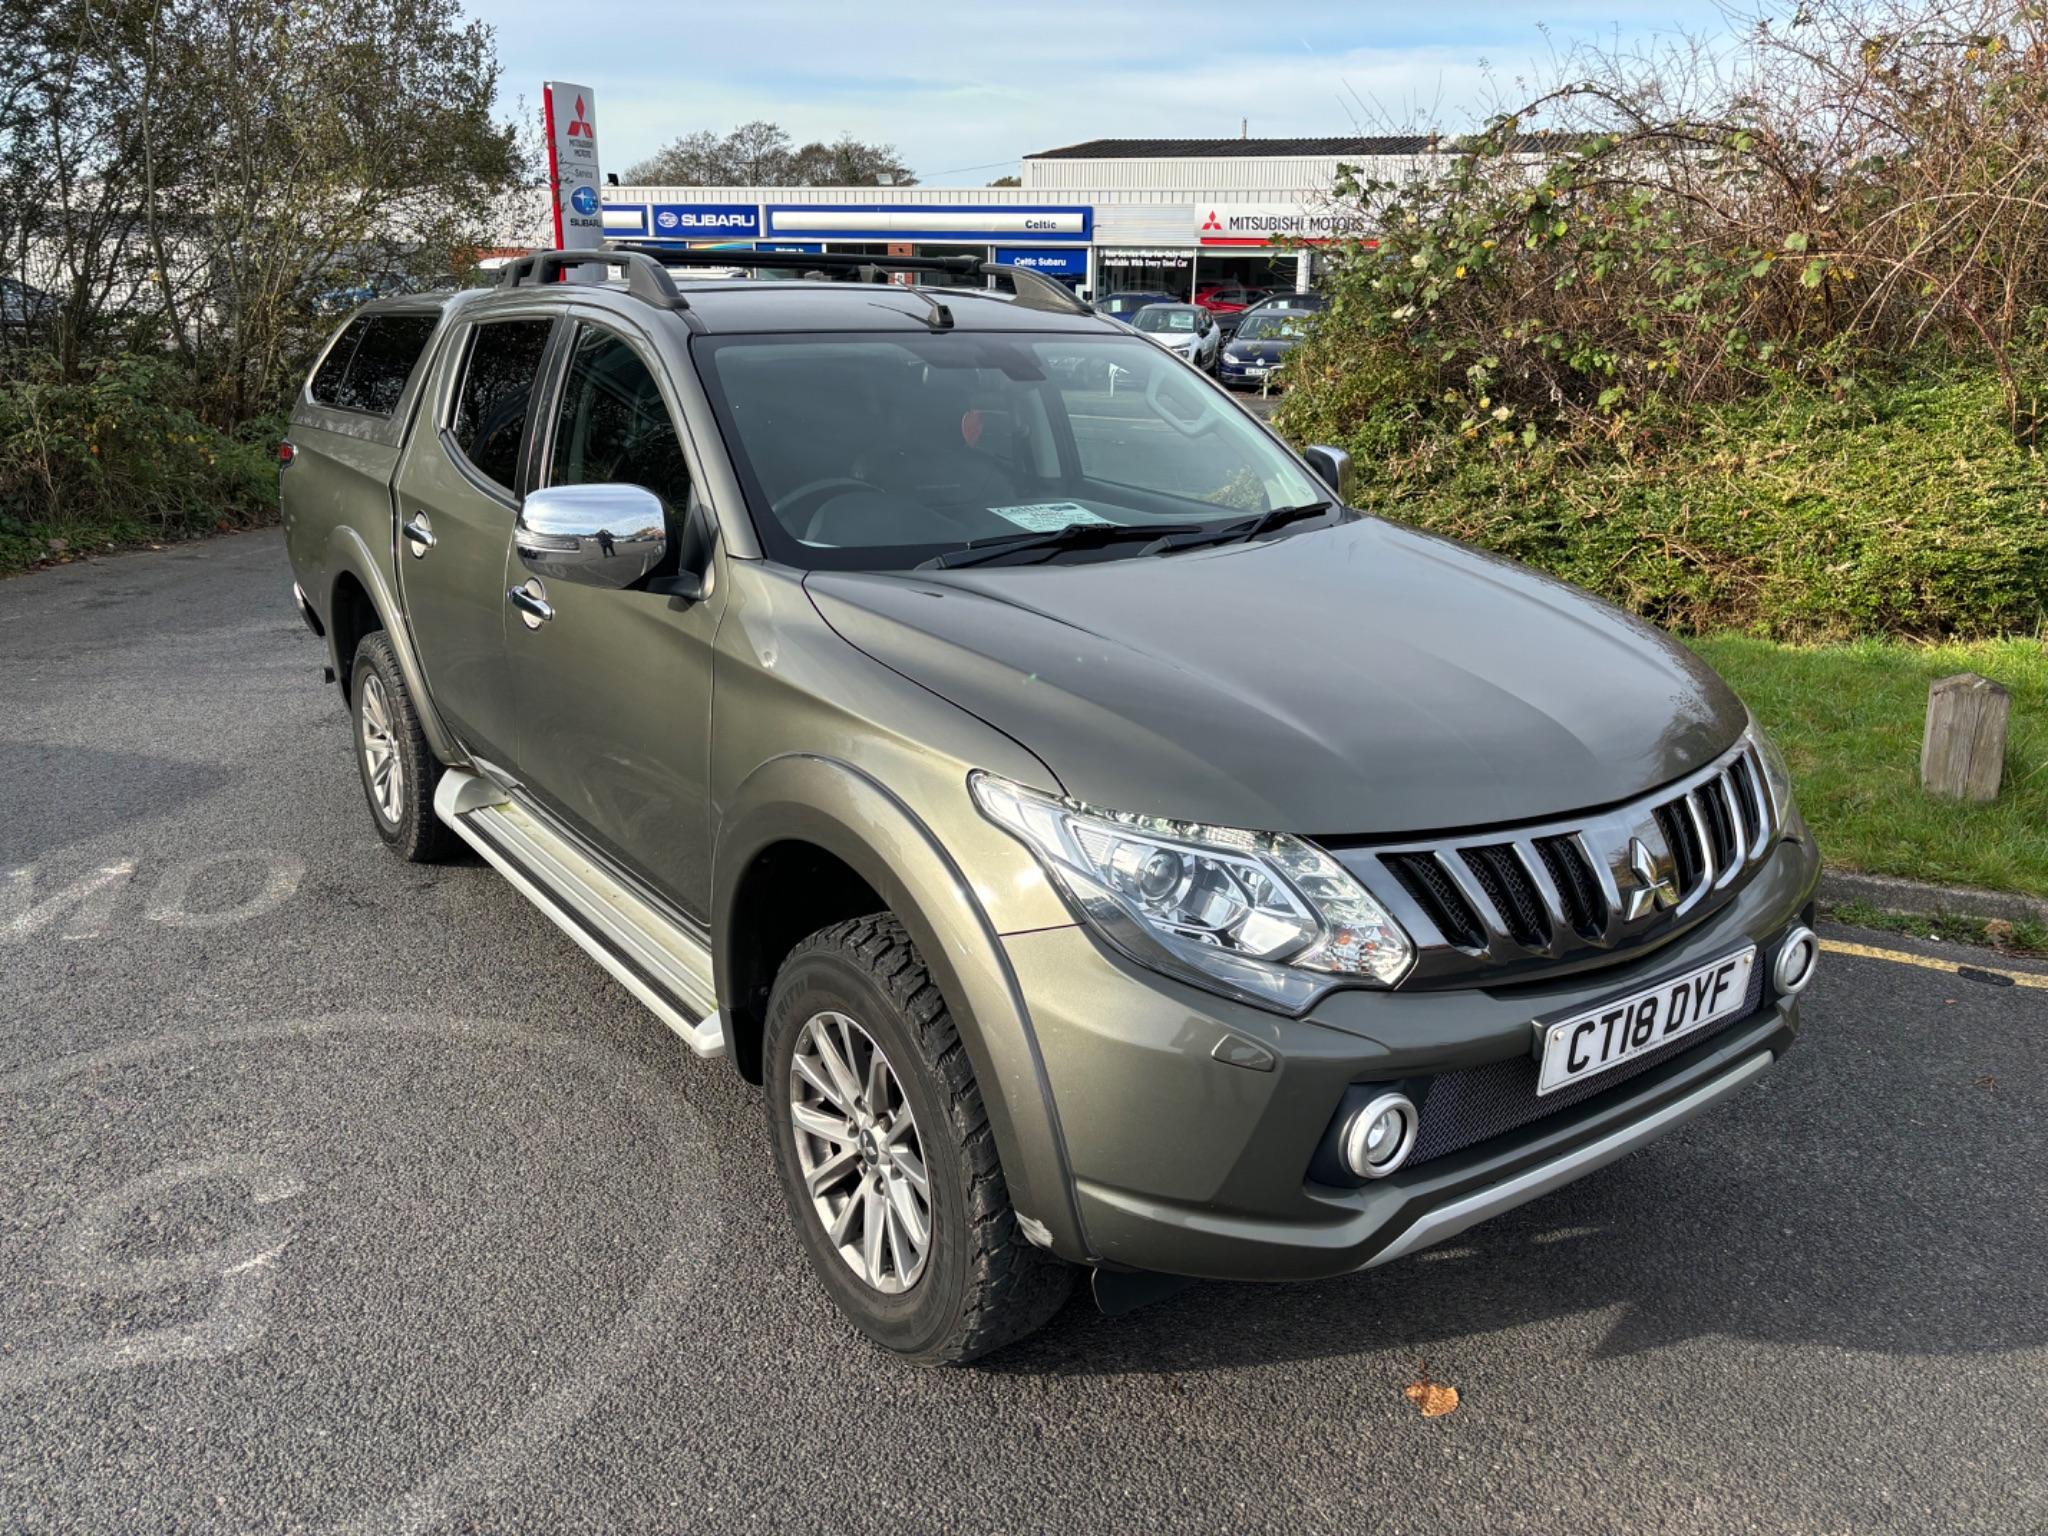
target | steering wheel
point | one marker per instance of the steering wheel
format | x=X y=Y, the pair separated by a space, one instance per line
x=819 y=492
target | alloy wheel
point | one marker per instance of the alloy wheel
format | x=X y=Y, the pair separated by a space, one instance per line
x=383 y=767
x=858 y=1149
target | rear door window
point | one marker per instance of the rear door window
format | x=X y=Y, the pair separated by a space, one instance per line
x=367 y=367
x=497 y=386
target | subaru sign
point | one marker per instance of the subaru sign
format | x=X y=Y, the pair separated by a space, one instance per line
x=706 y=221
x=1051 y=263
x=569 y=116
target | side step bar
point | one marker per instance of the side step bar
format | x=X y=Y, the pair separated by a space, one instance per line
x=667 y=968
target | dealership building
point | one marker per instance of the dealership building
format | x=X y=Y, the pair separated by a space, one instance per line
x=1157 y=215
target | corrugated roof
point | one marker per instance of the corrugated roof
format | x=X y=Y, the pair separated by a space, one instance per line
x=1208 y=149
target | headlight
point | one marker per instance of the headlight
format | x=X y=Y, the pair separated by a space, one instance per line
x=1776 y=774
x=1258 y=915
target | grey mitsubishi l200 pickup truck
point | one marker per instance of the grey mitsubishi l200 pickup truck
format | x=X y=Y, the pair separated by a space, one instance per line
x=1108 y=850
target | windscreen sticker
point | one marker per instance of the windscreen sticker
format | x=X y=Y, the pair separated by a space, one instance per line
x=1047 y=516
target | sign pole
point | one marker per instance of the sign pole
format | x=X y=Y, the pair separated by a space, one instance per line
x=575 y=182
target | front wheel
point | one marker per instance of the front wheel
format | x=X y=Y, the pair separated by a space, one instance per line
x=885 y=1154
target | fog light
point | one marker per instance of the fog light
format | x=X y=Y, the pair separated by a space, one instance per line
x=1380 y=1136
x=1796 y=956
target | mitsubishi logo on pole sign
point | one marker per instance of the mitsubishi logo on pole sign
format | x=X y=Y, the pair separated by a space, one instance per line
x=574 y=178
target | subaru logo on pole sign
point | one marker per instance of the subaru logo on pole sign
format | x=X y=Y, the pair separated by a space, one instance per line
x=570 y=113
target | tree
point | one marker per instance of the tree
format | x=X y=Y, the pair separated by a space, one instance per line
x=295 y=149
x=1007 y=181
x=759 y=154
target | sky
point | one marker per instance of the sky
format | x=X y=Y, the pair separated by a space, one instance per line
x=962 y=91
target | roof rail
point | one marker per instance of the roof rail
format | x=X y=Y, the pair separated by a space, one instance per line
x=1031 y=288
x=645 y=278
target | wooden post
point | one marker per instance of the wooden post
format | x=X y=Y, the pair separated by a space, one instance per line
x=1962 y=756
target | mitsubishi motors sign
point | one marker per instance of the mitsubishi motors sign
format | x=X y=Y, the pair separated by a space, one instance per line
x=573 y=176
x=1269 y=223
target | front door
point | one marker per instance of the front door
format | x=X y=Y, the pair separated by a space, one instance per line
x=614 y=689
x=458 y=492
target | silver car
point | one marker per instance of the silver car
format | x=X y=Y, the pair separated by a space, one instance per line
x=1186 y=329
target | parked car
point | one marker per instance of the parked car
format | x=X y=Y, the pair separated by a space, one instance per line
x=1263 y=340
x=1289 y=898
x=1299 y=300
x=1229 y=298
x=1125 y=306
x=1183 y=329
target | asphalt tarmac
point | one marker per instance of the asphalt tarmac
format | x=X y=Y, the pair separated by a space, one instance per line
x=342 y=1195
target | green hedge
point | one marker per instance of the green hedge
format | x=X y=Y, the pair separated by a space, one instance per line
x=115 y=457
x=1907 y=509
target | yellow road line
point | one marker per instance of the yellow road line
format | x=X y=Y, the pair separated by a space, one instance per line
x=1929 y=963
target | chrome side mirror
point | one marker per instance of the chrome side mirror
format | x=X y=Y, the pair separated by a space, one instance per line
x=595 y=535
x=1333 y=468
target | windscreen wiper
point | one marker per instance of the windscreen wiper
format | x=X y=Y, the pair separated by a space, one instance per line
x=1073 y=536
x=1243 y=530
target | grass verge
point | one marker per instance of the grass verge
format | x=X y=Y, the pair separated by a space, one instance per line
x=2015 y=938
x=1850 y=717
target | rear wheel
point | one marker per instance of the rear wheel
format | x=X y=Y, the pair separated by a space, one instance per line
x=883 y=1145
x=398 y=769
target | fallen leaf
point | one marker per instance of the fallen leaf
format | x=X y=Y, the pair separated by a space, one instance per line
x=1433 y=1398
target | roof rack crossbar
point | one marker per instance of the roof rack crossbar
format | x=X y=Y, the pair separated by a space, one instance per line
x=866 y=268
x=645 y=278
x=1042 y=285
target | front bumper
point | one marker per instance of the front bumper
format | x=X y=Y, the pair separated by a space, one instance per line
x=1245 y=373
x=1191 y=1122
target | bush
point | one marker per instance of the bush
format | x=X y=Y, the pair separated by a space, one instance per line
x=1901 y=509
x=1752 y=342
x=115 y=457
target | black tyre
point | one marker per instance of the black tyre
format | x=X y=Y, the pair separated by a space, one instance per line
x=398 y=770
x=885 y=1153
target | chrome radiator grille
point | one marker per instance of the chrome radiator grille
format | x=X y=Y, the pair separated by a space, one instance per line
x=1497 y=903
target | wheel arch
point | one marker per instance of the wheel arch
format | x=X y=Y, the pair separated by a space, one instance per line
x=805 y=815
x=358 y=582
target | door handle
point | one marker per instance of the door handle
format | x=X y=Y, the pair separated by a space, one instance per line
x=419 y=533
x=532 y=602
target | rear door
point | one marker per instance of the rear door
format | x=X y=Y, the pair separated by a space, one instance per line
x=614 y=689
x=458 y=492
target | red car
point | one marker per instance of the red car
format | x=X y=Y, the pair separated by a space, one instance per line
x=1229 y=298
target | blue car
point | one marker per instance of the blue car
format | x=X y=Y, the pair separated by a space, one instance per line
x=1263 y=340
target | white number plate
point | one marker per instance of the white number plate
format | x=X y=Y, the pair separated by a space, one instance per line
x=1588 y=1044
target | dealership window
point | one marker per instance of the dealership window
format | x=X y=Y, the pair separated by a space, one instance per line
x=1145 y=271
x=1269 y=270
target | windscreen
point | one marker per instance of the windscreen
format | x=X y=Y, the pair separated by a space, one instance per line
x=877 y=452
x=1271 y=325
x=1165 y=320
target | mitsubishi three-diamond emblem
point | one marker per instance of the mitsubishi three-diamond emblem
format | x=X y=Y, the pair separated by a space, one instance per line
x=1656 y=880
